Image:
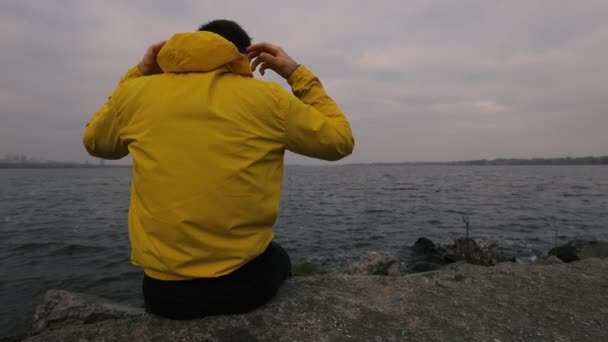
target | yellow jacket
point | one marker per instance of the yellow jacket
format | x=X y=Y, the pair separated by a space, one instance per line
x=207 y=142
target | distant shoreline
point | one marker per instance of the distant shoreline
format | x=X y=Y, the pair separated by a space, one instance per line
x=602 y=160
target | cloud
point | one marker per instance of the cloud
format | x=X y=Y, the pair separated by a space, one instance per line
x=489 y=106
x=419 y=80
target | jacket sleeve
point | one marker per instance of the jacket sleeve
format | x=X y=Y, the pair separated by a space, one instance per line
x=102 y=133
x=314 y=124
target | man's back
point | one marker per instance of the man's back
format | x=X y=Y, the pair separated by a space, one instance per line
x=207 y=142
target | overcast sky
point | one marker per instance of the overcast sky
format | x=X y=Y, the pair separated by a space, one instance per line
x=418 y=80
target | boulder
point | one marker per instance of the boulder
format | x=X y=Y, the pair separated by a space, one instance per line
x=510 y=302
x=427 y=256
x=424 y=246
x=374 y=263
x=68 y=307
x=484 y=253
x=594 y=249
x=580 y=249
x=424 y=266
x=569 y=251
x=549 y=260
x=469 y=250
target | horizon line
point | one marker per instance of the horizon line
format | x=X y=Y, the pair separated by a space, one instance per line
x=602 y=158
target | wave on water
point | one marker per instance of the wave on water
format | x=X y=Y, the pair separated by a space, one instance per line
x=72 y=249
x=56 y=248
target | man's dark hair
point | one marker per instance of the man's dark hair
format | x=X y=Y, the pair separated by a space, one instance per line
x=231 y=31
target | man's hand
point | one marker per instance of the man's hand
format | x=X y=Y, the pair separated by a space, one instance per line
x=148 y=65
x=269 y=56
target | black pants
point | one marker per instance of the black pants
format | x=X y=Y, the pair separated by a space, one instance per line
x=245 y=289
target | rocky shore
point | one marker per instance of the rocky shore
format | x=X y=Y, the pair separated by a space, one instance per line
x=427 y=256
x=551 y=300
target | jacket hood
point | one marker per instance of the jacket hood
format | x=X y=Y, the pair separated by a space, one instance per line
x=201 y=52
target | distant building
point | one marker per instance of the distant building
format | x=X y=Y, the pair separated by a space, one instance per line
x=15 y=158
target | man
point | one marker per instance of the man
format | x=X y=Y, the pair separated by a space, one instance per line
x=207 y=142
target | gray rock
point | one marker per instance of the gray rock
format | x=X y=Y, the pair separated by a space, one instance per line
x=549 y=260
x=67 y=307
x=374 y=263
x=424 y=266
x=484 y=253
x=569 y=251
x=427 y=256
x=580 y=249
x=594 y=249
x=509 y=302
x=454 y=265
x=424 y=245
